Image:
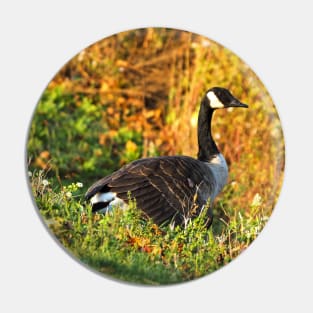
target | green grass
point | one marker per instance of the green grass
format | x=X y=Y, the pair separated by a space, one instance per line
x=125 y=246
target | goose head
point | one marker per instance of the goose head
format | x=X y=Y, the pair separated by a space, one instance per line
x=218 y=98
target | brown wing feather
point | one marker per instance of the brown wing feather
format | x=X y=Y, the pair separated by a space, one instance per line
x=164 y=187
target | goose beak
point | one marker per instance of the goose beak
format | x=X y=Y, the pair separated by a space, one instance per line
x=237 y=104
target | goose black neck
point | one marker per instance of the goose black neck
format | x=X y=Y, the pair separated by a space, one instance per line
x=207 y=146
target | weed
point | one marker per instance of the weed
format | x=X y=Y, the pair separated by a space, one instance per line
x=129 y=247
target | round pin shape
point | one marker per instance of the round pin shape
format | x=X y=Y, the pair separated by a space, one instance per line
x=155 y=156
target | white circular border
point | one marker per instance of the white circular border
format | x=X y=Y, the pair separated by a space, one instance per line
x=39 y=38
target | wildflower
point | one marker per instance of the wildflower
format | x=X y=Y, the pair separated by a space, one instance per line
x=131 y=146
x=68 y=194
x=45 y=182
x=79 y=185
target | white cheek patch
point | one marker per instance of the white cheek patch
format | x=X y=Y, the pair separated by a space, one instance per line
x=215 y=103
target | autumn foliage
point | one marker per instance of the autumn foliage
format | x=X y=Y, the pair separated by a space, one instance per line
x=137 y=94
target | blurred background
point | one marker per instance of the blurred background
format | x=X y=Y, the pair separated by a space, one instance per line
x=137 y=94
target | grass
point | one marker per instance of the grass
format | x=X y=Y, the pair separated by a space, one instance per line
x=124 y=245
x=136 y=94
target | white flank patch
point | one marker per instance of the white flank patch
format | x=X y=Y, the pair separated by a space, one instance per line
x=215 y=103
x=102 y=197
x=111 y=198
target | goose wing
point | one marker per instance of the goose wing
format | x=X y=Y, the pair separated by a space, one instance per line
x=164 y=187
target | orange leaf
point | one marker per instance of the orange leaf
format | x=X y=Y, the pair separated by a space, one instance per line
x=45 y=154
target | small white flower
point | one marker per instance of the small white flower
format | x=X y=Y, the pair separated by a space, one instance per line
x=79 y=185
x=30 y=174
x=45 y=182
x=68 y=194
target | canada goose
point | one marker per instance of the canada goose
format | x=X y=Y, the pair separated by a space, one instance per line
x=171 y=188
